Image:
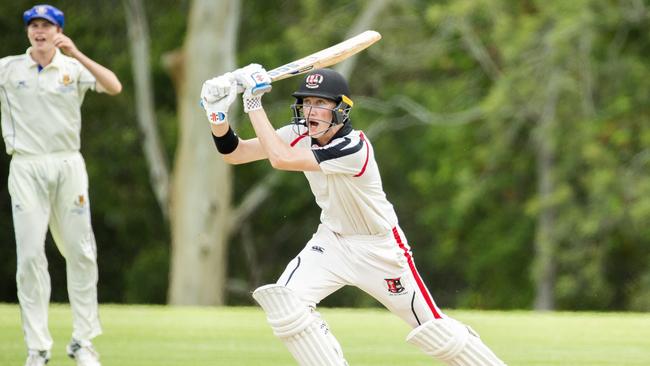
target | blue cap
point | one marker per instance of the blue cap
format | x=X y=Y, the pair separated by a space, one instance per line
x=47 y=12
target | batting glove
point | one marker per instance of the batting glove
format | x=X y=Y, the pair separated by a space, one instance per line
x=256 y=82
x=217 y=95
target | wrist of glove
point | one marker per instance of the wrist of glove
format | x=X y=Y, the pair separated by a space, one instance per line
x=217 y=95
x=251 y=102
x=255 y=81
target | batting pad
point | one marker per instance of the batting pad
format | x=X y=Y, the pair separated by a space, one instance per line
x=306 y=335
x=453 y=343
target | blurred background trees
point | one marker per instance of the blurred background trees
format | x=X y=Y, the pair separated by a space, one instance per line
x=512 y=139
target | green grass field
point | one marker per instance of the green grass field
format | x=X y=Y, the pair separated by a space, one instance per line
x=188 y=336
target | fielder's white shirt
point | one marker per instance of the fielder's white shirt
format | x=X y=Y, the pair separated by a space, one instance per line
x=41 y=111
x=348 y=189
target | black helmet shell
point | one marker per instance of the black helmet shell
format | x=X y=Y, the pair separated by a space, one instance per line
x=323 y=83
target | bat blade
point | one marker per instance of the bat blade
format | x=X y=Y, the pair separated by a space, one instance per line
x=323 y=58
x=326 y=57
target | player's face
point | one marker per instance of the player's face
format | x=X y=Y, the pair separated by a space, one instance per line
x=318 y=114
x=41 y=34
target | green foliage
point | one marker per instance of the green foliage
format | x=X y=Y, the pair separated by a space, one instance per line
x=454 y=95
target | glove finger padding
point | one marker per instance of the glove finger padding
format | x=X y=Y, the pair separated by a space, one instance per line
x=256 y=82
x=217 y=95
x=216 y=88
x=254 y=78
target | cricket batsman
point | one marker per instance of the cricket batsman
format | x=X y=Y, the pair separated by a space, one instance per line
x=359 y=241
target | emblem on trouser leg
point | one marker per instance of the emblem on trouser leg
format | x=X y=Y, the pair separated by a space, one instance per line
x=394 y=285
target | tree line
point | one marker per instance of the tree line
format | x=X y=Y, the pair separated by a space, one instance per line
x=512 y=139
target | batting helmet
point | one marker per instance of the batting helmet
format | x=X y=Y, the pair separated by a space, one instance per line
x=47 y=12
x=328 y=84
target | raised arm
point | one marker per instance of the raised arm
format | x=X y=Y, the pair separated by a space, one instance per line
x=217 y=95
x=246 y=150
x=280 y=154
x=106 y=79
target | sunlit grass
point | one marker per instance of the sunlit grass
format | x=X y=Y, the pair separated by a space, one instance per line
x=160 y=335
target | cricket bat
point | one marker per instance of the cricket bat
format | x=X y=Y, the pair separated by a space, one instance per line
x=327 y=57
x=323 y=58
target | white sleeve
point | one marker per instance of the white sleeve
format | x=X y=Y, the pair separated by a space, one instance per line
x=86 y=81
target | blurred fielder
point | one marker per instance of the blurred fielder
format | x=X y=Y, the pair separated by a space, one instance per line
x=41 y=93
x=359 y=241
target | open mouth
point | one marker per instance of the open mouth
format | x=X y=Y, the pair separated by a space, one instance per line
x=314 y=126
x=315 y=122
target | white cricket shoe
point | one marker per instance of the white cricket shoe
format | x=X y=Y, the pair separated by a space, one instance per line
x=37 y=358
x=83 y=353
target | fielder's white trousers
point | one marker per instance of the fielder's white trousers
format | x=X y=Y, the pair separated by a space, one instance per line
x=53 y=190
x=380 y=265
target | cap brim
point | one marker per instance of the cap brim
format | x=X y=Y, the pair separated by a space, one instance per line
x=315 y=94
x=46 y=17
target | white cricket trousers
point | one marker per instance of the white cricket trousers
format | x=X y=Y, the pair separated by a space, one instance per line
x=52 y=190
x=380 y=265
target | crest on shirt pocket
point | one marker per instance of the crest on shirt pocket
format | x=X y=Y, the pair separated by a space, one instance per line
x=66 y=79
x=66 y=83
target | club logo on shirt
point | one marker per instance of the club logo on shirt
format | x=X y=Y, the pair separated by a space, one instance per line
x=66 y=84
x=66 y=80
x=80 y=204
x=22 y=84
x=394 y=285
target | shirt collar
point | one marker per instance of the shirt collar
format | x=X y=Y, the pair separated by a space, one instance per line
x=346 y=129
x=56 y=60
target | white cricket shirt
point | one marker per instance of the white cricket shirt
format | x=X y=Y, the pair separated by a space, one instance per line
x=41 y=111
x=348 y=189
